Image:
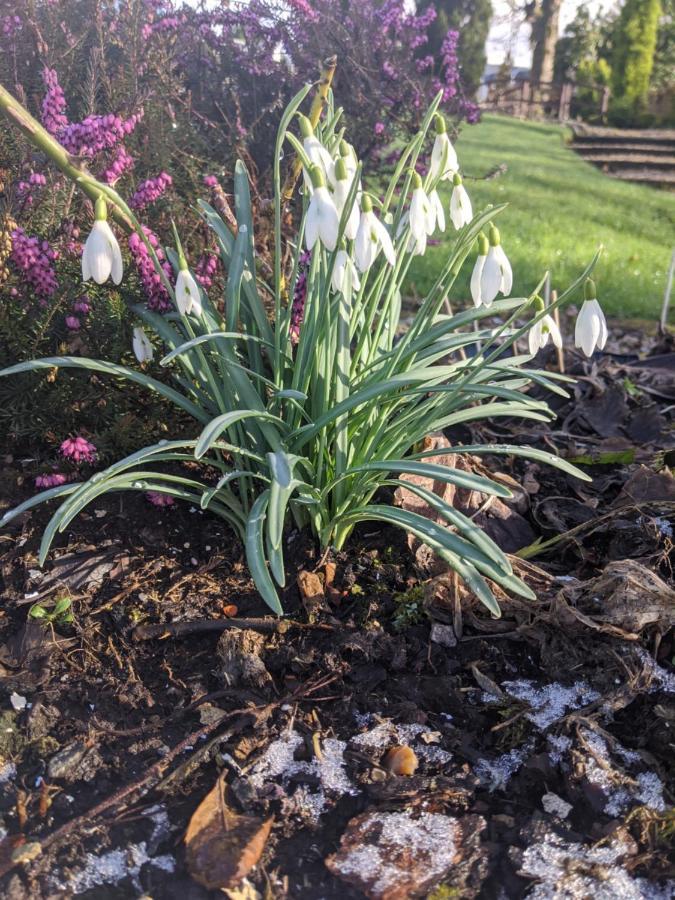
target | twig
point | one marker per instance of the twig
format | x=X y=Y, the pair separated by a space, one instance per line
x=202 y=626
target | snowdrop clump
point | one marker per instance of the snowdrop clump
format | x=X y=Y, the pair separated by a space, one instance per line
x=306 y=394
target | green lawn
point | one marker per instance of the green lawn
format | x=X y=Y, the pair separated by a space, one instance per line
x=561 y=209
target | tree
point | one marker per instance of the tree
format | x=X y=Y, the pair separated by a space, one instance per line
x=544 y=18
x=633 y=54
x=472 y=19
x=579 y=43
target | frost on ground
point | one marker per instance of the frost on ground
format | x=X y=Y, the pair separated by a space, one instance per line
x=569 y=871
x=620 y=791
x=382 y=852
x=495 y=774
x=279 y=766
x=661 y=679
x=117 y=865
x=419 y=737
x=550 y=702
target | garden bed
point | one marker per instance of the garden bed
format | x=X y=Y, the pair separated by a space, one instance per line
x=541 y=743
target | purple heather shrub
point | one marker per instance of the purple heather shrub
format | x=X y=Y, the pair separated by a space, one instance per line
x=206 y=269
x=50 y=480
x=155 y=292
x=54 y=103
x=120 y=163
x=97 y=133
x=24 y=189
x=10 y=26
x=35 y=260
x=78 y=450
x=150 y=190
x=82 y=306
x=73 y=323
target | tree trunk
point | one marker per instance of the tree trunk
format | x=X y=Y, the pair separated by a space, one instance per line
x=544 y=38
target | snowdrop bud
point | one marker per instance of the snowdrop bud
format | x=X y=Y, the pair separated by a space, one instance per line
x=543 y=329
x=101 y=257
x=305 y=126
x=371 y=237
x=187 y=290
x=317 y=153
x=477 y=274
x=142 y=346
x=444 y=161
x=342 y=270
x=421 y=216
x=496 y=275
x=322 y=220
x=343 y=185
x=591 y=328
x=461 y=211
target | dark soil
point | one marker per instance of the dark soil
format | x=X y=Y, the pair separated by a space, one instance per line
x=124 y=734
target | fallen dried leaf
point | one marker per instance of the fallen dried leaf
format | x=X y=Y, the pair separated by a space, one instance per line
x=223 y=846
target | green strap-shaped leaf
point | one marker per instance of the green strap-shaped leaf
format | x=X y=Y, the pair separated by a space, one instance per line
x=511 y=450
x=255 y=553
x=428 y=470
x=217 y=426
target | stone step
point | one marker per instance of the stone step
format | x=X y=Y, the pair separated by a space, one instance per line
x=646 y=176
x=649 y=160
x=609 y=148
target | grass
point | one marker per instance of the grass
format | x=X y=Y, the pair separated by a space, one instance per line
x=561 y=209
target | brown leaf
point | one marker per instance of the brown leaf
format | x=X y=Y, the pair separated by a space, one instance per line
x=311 y=592
x=223 y=846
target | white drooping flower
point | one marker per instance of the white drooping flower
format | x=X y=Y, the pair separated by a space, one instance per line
x=591 y=328
x=102 y=257
x=371 y=237
x=496 y=275
x=348 y=154
x=323 y=222
x=317 y=153
x=477 y=274
x=343 y=269
x=188 y=299
x=461 y=211
x=421 y=217
x=142 y=347
x=444 y=162
x=343 y=185
x=437 y=211
x=542 y=330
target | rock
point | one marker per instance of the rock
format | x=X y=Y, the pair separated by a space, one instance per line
x=240 y=651
x=443 y=635
x=556 y=806
x=75 y=762
x=396 y=855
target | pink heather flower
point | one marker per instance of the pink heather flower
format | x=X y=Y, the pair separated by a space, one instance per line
x=121 y=163
x=159 y=499
x=35 y=259
x=24 y=189
x=158 y=299
x=82 y=306
x=150 y=190
x=54 y=103
x=97 y=133
x=206 y=269
x=299 y=297
x=78 y=450
x=379 y=128
x=210 y=181
x=73 y=323
x=55 y=479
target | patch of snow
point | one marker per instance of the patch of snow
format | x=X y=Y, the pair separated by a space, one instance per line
x=556 y=806
x=412 y=734
x=431 y=836
x=7 y=772
x=113 y=867
x=496 y=773
x=645 y=788
x=560 y=744
x=550 y=702
x=662 y=679
x=571 y=871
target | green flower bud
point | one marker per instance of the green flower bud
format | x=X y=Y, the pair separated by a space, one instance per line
x=316 y=175
x=100 y=209
x=341 y=172
x=416 y=180
x=366 y=204
x=495 y=239
x=439 y=124
x=344 y=148
x=483 y=245
x=456 y=179
x=306 y=129
x=539 y=304
x=589 y=290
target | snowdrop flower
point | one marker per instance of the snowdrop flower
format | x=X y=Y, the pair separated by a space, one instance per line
x=477 y=274
x=543 y=329
x=317 y=153
x=187 y=290
x=343 y=269
x=343 y=185
x=444 y=161
x=591 y=327
x=101 y=257
x=142 y=346
x=322 y=221
x=371 y=237
x=461 y=211
x=437 y=211
x=348 y=154
x=421 y=217
x=493 y=274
